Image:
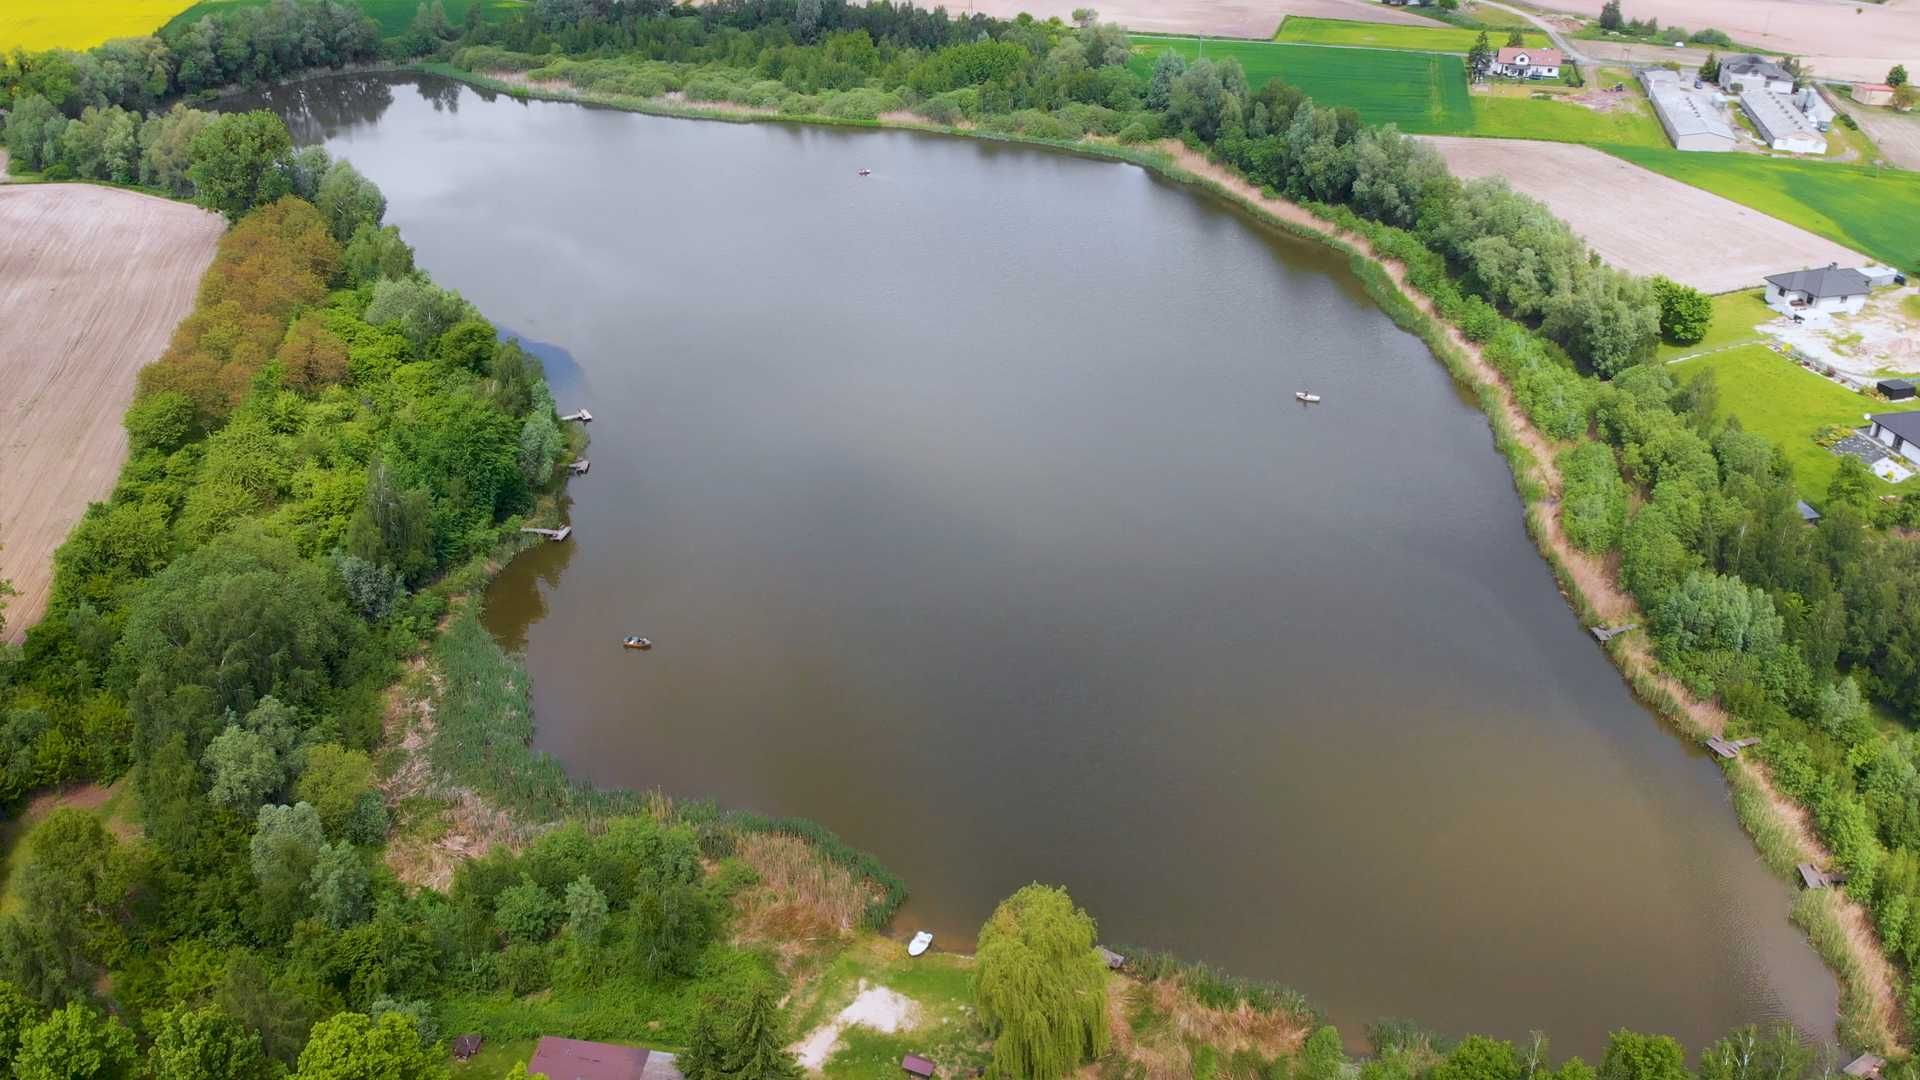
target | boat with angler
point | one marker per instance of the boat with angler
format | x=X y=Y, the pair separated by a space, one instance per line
x=635 y=642
x=1302 y=395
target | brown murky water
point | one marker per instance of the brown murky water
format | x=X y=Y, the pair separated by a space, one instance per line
x=971 y=513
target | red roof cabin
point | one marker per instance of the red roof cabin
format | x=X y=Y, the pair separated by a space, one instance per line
x=574 y=1059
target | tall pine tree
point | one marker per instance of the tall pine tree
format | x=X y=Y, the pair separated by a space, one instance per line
x=759 y=1044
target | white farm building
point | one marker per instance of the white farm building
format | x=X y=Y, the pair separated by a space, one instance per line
x=1693 y=121
x=1781 y=124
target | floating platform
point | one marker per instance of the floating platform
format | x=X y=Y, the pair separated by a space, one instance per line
x=583 y=416
x=1729 y=749
x=555 y=535
x=579 y=468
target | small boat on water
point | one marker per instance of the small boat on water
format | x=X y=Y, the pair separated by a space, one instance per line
x=635 y=642
x=919 y=943
x=866 y=172
x=1302 y=395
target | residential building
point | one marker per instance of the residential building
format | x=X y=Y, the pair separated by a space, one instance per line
x=1781 y=125
x=1692 y=120
x=1519 y=62
x=1812 y=295
x=1898 y=432
x=1749 y=72
x=1873 y=93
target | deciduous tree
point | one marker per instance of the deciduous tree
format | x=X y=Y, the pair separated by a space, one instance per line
x=1041 y=989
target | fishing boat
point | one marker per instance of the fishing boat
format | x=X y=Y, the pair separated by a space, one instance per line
x=919 y=943
x=634 y=642
x=1302 y=395
x=866 y=172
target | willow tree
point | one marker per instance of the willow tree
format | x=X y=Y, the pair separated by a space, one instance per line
x=1041 y=989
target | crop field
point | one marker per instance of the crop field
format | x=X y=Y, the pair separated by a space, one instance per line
x=1421 y=92
x=1873 y=210
x=393 y=16
x=92 y=281
x=1310 y=31
x=1790 y=405
x=79 y=24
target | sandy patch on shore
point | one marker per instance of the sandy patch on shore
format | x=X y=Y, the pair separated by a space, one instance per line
x=1641 y=221
x=875 y=1007
x=92 y=282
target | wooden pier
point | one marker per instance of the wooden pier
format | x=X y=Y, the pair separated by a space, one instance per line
x=583 y=416
x=579 y=468
x=1604 y=634
x=1812 y=877
x=555 y=535
x=1866 y=1067
x=1728 y=749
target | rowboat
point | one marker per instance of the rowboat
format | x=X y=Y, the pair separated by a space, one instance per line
x=1302 y=395
x=633 y=642
x=919 y=943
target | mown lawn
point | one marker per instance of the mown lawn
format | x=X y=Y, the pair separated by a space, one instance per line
x=1735 y=317
x=393 y=16
x=34 y=25
x=939 y=984
x=1563 y=121
x=1777 y=398
x=1311 y=31
x=1876 y=211
x=1421 y=92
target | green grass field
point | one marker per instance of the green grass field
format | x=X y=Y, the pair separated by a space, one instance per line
x=1779 y=399
x=394 y=16
x=1735 y=315
x=1421 y=92
x=1305 y=30
x=1563 y=121
x=1876 y=211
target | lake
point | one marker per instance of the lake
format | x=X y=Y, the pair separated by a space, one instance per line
x=971 y=512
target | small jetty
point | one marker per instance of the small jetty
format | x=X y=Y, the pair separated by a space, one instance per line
x=579 y=468
x=1812 y=877
x=1866 y=1066
x=1604 y=634
x=583 y=416
x=1306 y=396
x=1729 y=749
x=555 y=535
x=1113 y=960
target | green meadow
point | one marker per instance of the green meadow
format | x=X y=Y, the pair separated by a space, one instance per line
x=1876 y=211
x=1305 y=30
x=1421 y=92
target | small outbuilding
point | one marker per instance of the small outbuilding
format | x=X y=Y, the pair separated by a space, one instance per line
x=1873 y=93
x=1807 y=513
x=465 y=1046
x=1898 y=432
x=915 y=1065
x=1895 y=389
x=1881 y=276
x=1113 y=960
x=576 y=1059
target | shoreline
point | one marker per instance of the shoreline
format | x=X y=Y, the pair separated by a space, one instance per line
x=1838 y=927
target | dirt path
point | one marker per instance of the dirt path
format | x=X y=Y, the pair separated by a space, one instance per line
x=1593 y=579
x=92 y=281
x=1897 y=135
x=874 y=1007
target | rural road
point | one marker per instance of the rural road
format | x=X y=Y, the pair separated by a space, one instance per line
x=1565 y=45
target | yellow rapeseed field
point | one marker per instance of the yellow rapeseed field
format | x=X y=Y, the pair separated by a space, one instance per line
x=80 y=24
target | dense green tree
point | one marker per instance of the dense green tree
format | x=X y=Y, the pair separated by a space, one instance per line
x=160 y=421
x=1748 y=1054
x=239 y=162
x=333 y=781
x=525 y=912
x=705 y=1055
x=419 y=309
x=353 y=1046
x=757 y=1045
x=340 y=883
x=1040 y=987
x=17 y=1014
x=33 y=132
x=286 y=846
x=76 y=1043
x=204 y=1044
x=672 y=923
x=245 y=769
x=1633 y=1056
x=1686 y=314
x=348 y=201
x=1480 y=57
x=1897 y=75
x=1477 y=1057
x=377 y=252
x=586 y=911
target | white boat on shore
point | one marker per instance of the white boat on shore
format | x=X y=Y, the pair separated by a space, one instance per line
x=919 y=943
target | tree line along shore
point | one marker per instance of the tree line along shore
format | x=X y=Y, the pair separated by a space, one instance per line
x=334 y=451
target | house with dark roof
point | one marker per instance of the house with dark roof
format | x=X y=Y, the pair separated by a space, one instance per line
x=1813 y=295
x=575 y=1059
x=1518 y=62
x=1898 y=432
x=1750 y=72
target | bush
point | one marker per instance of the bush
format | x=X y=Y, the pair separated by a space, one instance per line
x=1686 y=314
x=1593 y=506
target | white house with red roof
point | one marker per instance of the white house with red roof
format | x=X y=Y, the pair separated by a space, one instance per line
x=1520 y=62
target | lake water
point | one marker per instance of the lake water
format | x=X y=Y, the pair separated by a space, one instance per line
x=972 y=515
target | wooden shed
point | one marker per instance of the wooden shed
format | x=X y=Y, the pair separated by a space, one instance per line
x=915 y=1065
x=465 y=1046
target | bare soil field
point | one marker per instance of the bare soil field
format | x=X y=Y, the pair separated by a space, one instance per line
x=1896 y=134
x=1840 y=39
x=92 y=281
x=1642 y=221
x=1219 y=18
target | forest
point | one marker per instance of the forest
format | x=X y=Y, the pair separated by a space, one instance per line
x=333 y=447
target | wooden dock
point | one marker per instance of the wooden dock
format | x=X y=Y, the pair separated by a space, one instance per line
x=583 y=416
x=1726 y=749
x=555 y=535
x=1604 y=634
x=1866 y=1067
x=1812 y=877
x=579 y=468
